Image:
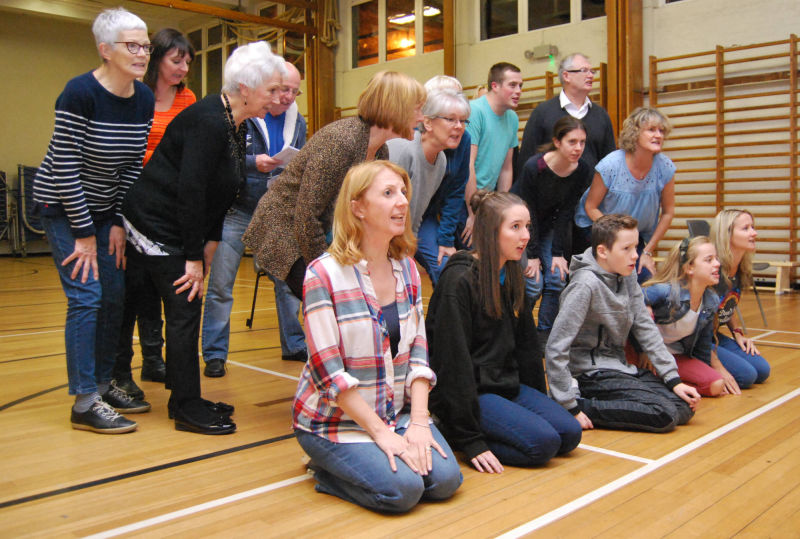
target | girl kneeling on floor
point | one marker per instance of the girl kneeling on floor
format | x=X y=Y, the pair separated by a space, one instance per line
x=684 y=303
x=491 y=397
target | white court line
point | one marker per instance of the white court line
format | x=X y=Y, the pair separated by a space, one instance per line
x=787 y=344
x=615 y=453
x=259 y=369
x=765 y=334
x=198 y=508
x=593 y=496
x=32 y=333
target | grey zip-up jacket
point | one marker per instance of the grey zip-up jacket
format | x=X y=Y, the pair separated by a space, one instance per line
x=598 y=311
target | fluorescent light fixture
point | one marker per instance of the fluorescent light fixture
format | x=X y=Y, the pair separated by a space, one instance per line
x=406 y=18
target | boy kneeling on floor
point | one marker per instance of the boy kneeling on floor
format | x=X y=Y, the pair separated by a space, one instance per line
x=600 y=307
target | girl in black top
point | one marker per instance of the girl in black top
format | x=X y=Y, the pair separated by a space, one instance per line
x=490 y=396
x=551 y=185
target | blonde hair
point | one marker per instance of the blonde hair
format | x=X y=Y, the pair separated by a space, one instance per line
x=721 y=231
x=638 y=120
x=348 y=231
x=682 y=254
x=389 y=101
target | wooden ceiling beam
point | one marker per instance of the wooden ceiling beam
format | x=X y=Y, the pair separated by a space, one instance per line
x=203 y=9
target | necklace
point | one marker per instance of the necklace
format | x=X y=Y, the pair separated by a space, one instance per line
x=236 y=137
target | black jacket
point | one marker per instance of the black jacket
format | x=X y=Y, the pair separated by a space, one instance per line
x=473 y=353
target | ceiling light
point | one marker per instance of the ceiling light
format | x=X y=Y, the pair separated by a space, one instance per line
x=407 y=18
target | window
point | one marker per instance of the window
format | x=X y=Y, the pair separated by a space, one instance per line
x=400 y=27
x=544 y=13
x=591 y=9
x=385 y=30
x=498 y=18
x=213 y=44
x=291 y=45
x=365 y=34
x=507 y=17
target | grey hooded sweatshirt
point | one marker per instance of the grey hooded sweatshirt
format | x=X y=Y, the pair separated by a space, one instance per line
x=598 y=311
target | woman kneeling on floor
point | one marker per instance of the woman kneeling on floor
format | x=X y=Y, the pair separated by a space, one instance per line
x=361 y=407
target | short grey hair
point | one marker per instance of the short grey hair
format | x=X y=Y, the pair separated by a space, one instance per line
x=443 y=82
x=107 y=26
x=444 y=102
x=566 y=63
x=251 y=65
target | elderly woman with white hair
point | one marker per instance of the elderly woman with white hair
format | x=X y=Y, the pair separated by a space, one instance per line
x=445 y=119
x=174 y=213
x=95 y=153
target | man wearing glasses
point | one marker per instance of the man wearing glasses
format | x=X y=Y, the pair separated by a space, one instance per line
x=284 y=126
x=576 y=75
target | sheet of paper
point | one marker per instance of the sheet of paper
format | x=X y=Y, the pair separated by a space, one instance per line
x=286 y=154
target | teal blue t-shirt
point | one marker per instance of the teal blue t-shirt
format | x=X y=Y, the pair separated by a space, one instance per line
x=493 y=135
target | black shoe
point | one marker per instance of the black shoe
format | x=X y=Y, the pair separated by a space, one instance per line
x=130 y=388
x=298 y=356
x=221 y=409
x=122 y=402
x=154 y=370
x=215 y=368
x=103 y=419
x=216 y=424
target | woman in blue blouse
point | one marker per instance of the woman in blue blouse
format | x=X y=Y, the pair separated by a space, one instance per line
x=636 y=180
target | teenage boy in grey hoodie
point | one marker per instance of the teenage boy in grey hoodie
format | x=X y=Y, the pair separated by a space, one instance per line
x=599 y=308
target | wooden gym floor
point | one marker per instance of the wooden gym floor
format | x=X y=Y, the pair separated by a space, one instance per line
x=734 y=470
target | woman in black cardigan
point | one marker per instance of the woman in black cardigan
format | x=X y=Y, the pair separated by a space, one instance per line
x=174 y=213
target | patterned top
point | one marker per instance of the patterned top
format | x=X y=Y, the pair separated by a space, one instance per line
x=95 y=153
x=641 y=199
x=183 y=98
x=348 y=346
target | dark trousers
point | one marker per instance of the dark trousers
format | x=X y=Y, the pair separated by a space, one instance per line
x=616 y=400
x=182 y=319
x=142 y=305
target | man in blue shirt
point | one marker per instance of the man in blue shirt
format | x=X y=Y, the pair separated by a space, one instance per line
x=282 y=127
x=493 y=128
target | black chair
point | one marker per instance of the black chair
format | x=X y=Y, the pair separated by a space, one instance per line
x=700 y=227
x=259 y=274
x=30 y=225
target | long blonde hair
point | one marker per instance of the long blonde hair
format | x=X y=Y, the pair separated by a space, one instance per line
x=348 y=231
x=673 y=270
x=721 y=231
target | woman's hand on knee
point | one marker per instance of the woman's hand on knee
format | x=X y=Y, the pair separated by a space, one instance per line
x=421 y=443
x=394 y=445
x=487 y=462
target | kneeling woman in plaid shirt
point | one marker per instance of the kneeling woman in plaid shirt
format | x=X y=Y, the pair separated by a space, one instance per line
x=361 y=408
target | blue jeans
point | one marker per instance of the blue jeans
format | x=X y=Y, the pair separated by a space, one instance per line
x=94 y=308
x=428 y=248
x=529 y=429
x=746 y=369
x=219 y=296
x=360 y=473
x=550 y=289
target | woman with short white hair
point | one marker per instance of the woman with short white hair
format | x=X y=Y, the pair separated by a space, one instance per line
x=95 y=154
x=446 y=114
x=174 y=214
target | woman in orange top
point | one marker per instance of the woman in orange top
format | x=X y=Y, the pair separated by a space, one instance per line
x=168 y=67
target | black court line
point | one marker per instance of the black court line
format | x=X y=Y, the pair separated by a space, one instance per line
x=143 y=471
x=32 y=396
x=29 y=358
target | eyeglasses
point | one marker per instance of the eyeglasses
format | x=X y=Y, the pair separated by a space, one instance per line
x=584 y=70
x=294 y=91
x=452 y=121
x=134 y=47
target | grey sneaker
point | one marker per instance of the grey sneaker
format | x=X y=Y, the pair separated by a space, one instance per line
x=103 y=419
x=122 y=402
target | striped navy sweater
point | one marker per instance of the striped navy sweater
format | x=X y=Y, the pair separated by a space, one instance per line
x=95 y=153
